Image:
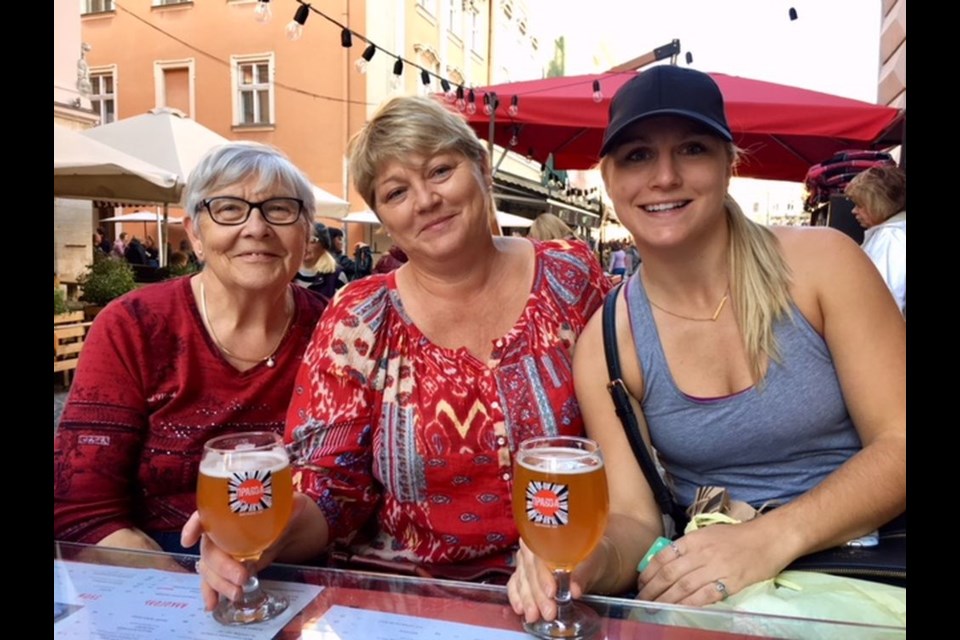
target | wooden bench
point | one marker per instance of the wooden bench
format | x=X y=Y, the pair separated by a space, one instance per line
x=69 y=333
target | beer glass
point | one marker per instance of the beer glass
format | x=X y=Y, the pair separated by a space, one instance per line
x=560 y=505
x=245 y=497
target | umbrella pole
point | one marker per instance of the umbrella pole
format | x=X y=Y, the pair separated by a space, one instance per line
x=163 y=237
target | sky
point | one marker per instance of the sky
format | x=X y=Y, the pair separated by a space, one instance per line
x=832 y=47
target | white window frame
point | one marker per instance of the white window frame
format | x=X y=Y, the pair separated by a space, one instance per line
x=473 y=35
x=160 y=87
x=429 y=6
x=455 y=17
x=169 y=3
x=253 y=58
x=85 y=6
x=96 y=99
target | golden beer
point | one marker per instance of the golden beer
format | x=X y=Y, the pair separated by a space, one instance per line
x=244 y=500
x=560 y=503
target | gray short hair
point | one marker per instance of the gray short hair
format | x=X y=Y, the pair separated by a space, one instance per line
x=235 y=162
x=408 y=125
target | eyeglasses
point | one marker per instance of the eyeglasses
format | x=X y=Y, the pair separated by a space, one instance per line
x=231 y=211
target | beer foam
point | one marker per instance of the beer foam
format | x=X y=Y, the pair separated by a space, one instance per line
x=217 y=465
x=560 y=460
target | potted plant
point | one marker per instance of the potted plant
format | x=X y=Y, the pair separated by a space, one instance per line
x=107 y=278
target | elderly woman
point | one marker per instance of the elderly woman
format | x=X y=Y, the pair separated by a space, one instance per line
x=745 y=348
x=171 y=365
x=879 y=196
x=419 y=384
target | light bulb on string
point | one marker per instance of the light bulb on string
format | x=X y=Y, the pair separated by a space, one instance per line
x=425 y=77
x=365 y=58
x=514 y=107
x=597 y=93
x=487 y=106
x=294 y=29
x=397 y=73
x=448 y=92
x=515 y=138
x=346 y=38
x=792 y=13
x=461 y=103
x=471 y=103
x=262 y=12
x=689 y=58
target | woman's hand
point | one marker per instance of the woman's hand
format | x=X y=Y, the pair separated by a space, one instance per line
x=532 y=586
x=220 y=573
x=707 y=565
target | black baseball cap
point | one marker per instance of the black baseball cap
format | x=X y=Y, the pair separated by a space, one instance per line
x=666 y=90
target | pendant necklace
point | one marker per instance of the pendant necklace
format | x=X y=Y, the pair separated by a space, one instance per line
x=269 y=360
x=713 y=318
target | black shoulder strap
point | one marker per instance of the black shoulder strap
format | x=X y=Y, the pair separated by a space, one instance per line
x=621 y=400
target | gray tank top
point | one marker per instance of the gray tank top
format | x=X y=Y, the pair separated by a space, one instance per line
x=764 y=444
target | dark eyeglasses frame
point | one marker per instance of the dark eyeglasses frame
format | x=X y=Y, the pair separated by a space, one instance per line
x=252 y=205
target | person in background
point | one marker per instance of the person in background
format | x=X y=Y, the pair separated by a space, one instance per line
x=348 y=266
x=617 y=263
x=392 y=260
x=419 y=384
x=135 y=253
x=633 y=256
x=171 y=365
x=152 y=251
x=100 y=242
x=548 y=226
x=879 y=196
x=119 y=249
x=770 y=361
x=319 y=272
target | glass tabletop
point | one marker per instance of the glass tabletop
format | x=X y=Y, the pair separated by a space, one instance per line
x=126 y=595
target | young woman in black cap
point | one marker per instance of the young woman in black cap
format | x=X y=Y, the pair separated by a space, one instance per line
x=769 y=361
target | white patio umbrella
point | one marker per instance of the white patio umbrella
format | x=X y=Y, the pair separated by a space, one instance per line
x=505 y=219
x=142 y=216
x=90 y=170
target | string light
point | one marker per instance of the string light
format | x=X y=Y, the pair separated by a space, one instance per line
x=461 y=103
x=346 y=39
x=488 y=107
x=515 y=138
x=365 y=58
x=689 y=57
x=792 y=13
x=425 y=77
x=597 y=93
x=294 y=28
x=448 y=91
x=471 y=103
x=262 y=12
x=514 y=107
x=397 y=73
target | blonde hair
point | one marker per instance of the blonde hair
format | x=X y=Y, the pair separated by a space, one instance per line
x=405 y=126
x=759 y=279
x=550 y=227
x=326 y=263
x=882 y=191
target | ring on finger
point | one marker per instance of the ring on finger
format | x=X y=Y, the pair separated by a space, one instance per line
x=196 y=566
x=721 y=588
x=676 y=548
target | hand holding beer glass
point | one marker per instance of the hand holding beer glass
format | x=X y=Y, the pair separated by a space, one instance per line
x=560 y=505
x=245 y=498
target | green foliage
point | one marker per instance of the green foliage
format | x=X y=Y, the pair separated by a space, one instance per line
x=175 y=271
x=59 y=302
x=107 y=278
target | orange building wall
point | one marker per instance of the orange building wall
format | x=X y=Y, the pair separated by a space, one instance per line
x=315 y=81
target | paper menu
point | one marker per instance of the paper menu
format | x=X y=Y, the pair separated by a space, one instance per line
x=101 y=602
x=346 y=623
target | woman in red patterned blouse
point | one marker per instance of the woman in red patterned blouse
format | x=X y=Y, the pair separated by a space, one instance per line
x=171 y=365
x=419 y=384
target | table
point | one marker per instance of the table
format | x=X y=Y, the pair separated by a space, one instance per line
x=125 y=595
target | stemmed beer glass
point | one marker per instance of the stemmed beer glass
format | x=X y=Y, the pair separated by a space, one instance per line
x=245 y=498
x=560 y=505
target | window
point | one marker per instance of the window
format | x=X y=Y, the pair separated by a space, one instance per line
x=455 y=16
x=430 y=6
x=103 y=97
x=160 y=3
x=174 y=85
x=97 y=6
x=253 y=84
x=475 y=41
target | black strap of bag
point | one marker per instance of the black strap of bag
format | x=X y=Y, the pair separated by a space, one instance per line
x=621 y=401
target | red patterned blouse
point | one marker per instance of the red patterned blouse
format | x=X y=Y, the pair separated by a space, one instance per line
x=412 y=443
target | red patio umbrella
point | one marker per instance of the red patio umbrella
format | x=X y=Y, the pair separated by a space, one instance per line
x=783 y=129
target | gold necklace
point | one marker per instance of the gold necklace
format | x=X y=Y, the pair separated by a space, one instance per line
x=270 y=360
x=712 y=318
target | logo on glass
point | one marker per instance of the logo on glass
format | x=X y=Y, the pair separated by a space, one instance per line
x=547 y=503
x=250 y=491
